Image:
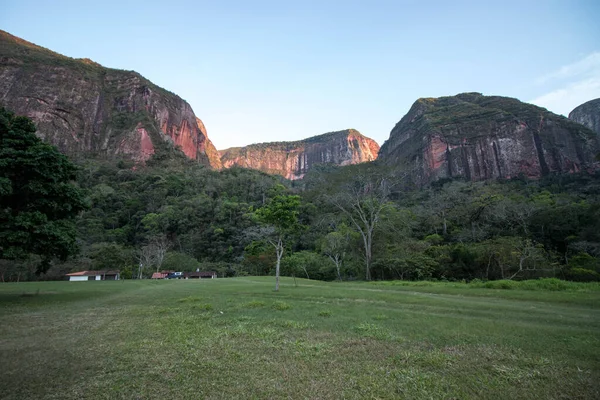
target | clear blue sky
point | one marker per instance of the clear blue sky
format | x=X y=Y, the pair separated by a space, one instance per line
x=257 y=71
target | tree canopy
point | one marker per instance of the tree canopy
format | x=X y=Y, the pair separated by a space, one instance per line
x=38 y=200
x=357 y=222
x=281 y=213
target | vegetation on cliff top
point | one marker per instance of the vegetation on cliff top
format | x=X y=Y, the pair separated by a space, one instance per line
x=233 y=152
x=468 y=114
x=21 y=53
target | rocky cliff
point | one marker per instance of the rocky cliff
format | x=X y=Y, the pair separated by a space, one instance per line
x=83 y=108
x=588 y=114
x=293 y=159
x=483 y=137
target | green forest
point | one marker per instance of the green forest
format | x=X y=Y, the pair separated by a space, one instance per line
x=361 y=222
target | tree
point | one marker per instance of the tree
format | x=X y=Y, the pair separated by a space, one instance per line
x=334 y=246
x=106 y=256
x=38 y=202
x=152 y=254
x=363 y=201
x=281 y=216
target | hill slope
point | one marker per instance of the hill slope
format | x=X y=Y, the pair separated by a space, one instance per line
x=483 y=137
x=293 y=159
x=84 y=108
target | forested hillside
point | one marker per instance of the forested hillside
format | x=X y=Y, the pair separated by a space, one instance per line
x=356 y=222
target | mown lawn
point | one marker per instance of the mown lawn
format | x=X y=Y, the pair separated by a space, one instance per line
x=236 y=338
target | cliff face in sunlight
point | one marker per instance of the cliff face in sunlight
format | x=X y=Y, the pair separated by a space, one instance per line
x=293 y=159
x=86 y=109
x=588 y=114
x=480 y=137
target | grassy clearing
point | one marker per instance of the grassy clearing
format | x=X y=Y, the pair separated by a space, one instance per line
x=236 y=338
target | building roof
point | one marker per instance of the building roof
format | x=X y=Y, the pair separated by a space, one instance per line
x=202 y=273
x=159 y=275
x=93 y=273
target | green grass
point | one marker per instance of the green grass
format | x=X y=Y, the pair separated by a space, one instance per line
x=236 y=338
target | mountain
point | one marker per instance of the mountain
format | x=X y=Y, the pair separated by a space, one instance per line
x=484 y=137
x=84 y=108
x=588 y=114
x=293 y=159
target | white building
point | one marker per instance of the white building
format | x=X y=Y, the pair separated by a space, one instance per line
x=94 y=276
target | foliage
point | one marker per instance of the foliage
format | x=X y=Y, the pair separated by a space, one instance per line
x=307 y=264
x=37 y=199
x=110 y=256
x=280 y=214
x=177 y=261
x=357 y=222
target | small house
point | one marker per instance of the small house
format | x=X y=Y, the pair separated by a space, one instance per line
x=94 y=276
x=202 y=275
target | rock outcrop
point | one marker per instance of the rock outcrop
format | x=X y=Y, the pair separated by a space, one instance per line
x=293 y=159
x=588 y=114
x=480 y=137
x=86 y=109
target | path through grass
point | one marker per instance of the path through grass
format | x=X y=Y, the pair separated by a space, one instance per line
x=236 y=338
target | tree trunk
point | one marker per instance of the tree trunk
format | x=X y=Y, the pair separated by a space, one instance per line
x=368 y=243
x=279 y=251
x=521 y=260
x=306 y=272
x=337 y=267
x=487 y=271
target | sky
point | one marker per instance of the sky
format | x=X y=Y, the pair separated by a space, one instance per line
x=259 y=71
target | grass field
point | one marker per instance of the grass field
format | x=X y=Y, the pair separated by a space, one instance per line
x=236 y=338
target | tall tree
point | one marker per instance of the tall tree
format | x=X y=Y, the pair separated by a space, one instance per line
x=281 y=216
x=38 y=202
x=363 y=200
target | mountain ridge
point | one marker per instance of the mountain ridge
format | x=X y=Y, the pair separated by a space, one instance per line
x=292 y=159
x=85 y=108
x=587 y=114
x=481 y=137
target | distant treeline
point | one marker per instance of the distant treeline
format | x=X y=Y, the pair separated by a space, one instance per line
x=174 y=215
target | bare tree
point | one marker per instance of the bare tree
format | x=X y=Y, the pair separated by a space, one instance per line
x=152 y=254
x=363 y=201
x=334 y=246
x=160 y=245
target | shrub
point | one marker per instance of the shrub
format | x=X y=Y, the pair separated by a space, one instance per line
x=255 y=304
x=544 y=284
x=583 y=275
x=281 y=306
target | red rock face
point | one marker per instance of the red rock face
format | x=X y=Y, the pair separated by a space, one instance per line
x=84 y=108
x=293 y=159
x=184 y=137
x=138 y=145
x=480 y=137
x=207 y=147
